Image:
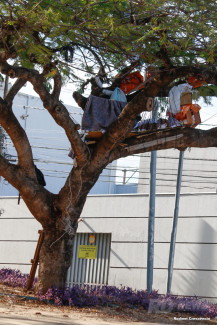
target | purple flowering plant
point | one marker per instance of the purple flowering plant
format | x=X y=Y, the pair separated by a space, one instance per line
x=13 y=278
x=86 y=296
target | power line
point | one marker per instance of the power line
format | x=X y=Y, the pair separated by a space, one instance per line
x=44 y=109
x=136 y=184
x=129 y=168
x=160 y=157
x=176 y=158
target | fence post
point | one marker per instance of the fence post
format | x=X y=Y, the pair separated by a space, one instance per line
x=151 y=220
x=175 y=223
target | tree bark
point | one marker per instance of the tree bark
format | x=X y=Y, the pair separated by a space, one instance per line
x=54 y=259
x=56 y=252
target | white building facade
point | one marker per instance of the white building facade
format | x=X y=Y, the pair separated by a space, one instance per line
x=125 y=219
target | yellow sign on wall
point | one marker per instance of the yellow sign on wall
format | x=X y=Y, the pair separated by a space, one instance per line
x=88 y=252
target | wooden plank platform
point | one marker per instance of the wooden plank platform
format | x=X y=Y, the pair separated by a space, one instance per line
x=92 y=136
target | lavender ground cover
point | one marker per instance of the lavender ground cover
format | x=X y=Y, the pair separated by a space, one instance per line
x=113 y=296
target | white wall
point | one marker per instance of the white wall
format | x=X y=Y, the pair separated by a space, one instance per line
x=199 y=171
x=126 y=218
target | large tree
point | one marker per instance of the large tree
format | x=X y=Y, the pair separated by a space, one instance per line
x=67 y=39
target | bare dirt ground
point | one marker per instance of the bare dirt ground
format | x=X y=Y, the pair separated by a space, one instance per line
x=20 y=310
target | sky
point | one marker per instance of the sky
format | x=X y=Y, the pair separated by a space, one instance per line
x=66 y=93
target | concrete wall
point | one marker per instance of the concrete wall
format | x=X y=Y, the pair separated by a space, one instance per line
x=199 y=171
x=126 y=218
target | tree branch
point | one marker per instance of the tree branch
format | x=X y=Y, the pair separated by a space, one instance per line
x=164 y=57
x=35 y=196
x=7 y=169
x=178 y=138
x=14 y=90
x=12 y=126
x=57 y=85
x=56 y=109
x=205 y=73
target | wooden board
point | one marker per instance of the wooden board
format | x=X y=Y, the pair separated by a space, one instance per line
x=93 y=136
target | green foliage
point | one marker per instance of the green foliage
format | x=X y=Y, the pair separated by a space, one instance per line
x=108 y=33
x=206 y=92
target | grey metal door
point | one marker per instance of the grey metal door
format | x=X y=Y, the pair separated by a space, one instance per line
x=90 y=271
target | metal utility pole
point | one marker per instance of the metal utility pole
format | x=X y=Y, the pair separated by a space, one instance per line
x=151 y=220
x=175 y=223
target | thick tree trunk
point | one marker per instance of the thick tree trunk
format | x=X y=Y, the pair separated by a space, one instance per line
x=55 y=259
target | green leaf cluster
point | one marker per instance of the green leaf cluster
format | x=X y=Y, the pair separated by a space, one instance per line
x=109 y=33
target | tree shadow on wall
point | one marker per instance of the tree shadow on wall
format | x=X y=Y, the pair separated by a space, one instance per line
x=202 y=279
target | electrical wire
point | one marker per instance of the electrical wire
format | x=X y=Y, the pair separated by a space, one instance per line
x=117 y=169
x=138 y=177
x=133 y=169
x=142 y=184
x=208 y=119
